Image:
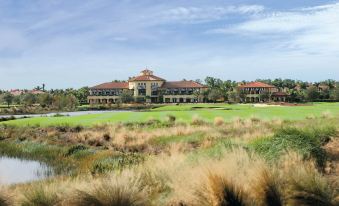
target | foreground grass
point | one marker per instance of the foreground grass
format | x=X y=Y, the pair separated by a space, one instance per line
x=243 y=162
x=184 y=113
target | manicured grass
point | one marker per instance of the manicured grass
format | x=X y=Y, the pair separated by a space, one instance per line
x=185 y=113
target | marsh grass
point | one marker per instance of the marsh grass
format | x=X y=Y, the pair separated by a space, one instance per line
x=50 y=154
x=305 y=185
x=233 y=163
x=219 y=121
x=307 y=142
x=39 y=196
x=5 y=199
x=122 y=191
x=220 y=191
x=267 y=187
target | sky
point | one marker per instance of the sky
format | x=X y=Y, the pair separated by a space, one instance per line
x=75 y=43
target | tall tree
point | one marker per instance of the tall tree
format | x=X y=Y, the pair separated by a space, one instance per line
x=8 y=98
x=312 y=93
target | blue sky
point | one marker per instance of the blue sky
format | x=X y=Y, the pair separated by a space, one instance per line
x=74 y=43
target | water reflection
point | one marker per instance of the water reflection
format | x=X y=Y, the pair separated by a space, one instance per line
x=14 y=170
x=77 y=113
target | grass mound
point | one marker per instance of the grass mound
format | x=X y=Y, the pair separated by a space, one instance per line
x=119 y=192
x=39 y=196
x=308 y=143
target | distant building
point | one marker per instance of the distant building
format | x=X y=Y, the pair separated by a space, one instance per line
x=18 y=92
x=148 y=87
x=261 y=92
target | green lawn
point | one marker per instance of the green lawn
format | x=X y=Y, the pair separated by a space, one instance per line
x=187 y=111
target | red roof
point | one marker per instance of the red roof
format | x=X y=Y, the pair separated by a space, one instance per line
x=34 y=91
x=256 y=85
x=112 y=85
x=182 y=84
x=146 y=78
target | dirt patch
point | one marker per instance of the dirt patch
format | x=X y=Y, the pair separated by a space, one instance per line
x=215 y=108
x=266 y=105
x=289 y=104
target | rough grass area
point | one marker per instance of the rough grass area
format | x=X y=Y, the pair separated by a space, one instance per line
x=186 y=112
x=307 y=142
x=249 y=162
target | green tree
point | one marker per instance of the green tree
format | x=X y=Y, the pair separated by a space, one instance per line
x=312 y=93
x=7 y=98
x=297 y=96
x=82 y=94
x=233 y=96
x=334 y=94
x=29 y=99
x=265 y=96
x=214 y=95
x=126 y=96
x=45 y=100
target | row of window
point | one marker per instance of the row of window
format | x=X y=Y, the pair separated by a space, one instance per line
x=180 y=100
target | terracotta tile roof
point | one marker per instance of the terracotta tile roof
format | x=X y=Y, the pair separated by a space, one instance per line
x=256 y=85
x=182 y=84
x=36 y=92
x=112 y=85
x=18 y=92
x=146 y=78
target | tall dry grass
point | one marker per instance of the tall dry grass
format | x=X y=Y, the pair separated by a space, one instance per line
x=267 y=187
x=239 y=177
x=305 y=185
x=40 y=196
x=5 y=198
x=120 y=191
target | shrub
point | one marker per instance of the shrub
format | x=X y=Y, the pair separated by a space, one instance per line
x=305 y=185
x=117 y=192
x=326 y=114
x=77 y=128
x=308 y=143
x=117 y=162
x=4 y=200
x=40 y=197
x=75 y=149
x=196 y=120
x=171 y=118
x=267 y=188
x=219 y=191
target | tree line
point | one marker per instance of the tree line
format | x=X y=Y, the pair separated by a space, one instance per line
x=57 y=99
x=298 y=91
x=218 y=90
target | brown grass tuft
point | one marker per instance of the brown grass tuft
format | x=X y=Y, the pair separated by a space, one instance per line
x=220 y=191
x=40 y=196
x=120 y=191
x=305 y=185
x=218 y=121
x=266 y=188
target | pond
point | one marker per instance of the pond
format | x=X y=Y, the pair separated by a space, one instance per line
x=14 y=170
x=77 y=113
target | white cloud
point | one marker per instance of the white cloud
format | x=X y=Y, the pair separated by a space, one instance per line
x=312 y=29
x=205 y=14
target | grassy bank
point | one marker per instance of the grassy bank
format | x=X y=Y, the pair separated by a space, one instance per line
x=186 y=112
x=249 y=161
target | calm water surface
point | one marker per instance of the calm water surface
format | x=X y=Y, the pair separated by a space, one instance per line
x=62 y=113
x=14 y=170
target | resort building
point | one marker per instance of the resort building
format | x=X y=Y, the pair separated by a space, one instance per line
x=146 y=87
x=261 y=92
x=18 y=92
